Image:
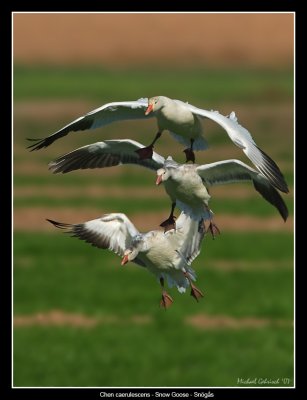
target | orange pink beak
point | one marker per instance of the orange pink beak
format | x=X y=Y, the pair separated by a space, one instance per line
x=159 y=179
x=149 y=109
x=124 y=260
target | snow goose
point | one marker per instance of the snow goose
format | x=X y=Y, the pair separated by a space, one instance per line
x=183 y=120
x=166 y=255
x=186 y=184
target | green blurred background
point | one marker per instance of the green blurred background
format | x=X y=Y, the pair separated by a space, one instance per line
x=80 y=319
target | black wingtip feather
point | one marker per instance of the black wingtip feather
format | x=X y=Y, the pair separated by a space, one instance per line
x=272 y=196
x=41 y=143
x=60 y=225
x=80 y=125
x=274 y=175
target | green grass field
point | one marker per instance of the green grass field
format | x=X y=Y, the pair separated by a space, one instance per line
x=98 y=84
x=246 y=276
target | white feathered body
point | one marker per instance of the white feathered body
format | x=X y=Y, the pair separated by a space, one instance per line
x=189 y=192
x=181 y=122
x=158 y=251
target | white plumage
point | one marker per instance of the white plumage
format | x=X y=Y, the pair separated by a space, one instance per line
x=166 y=255
x=183 y=120
x=186 y=184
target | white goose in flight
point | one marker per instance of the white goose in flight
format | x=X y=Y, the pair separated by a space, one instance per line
x=167 y=255
x=182 y=120
x=186 y=184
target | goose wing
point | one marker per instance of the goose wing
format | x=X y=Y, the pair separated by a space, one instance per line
x=104 y=115
x=243 y=139
x=229 y=171
x=187 y=237
x=112 y=231
x=105 y=154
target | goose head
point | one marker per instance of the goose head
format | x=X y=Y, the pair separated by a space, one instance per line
x=167 y=171
x=163 y=174
x=129 y=255
x=155 y=104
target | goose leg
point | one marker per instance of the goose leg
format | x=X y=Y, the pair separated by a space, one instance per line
x=195 y=292
x=214 y=230
x=146 y=152
x=189 y=153
x=166 y=300
x=169 y=223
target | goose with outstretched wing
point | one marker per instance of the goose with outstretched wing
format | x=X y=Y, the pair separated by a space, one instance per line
x=167 y=255
x=183 y=121
x=186 y=184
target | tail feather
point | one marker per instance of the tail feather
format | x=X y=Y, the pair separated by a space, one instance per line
x=200 y=142
x=176 y=278
x=195 y=214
